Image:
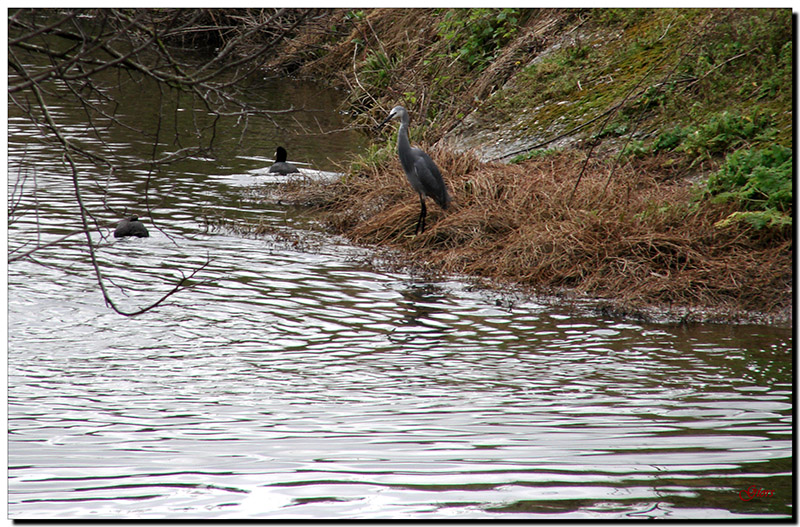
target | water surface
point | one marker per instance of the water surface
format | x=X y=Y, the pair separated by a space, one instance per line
x=299 y=381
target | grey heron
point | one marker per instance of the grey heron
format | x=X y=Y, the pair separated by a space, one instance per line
x=131 y=227
x=281 y=166
x=421 y=172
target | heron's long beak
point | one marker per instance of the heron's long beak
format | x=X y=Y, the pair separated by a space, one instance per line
x=384 y=121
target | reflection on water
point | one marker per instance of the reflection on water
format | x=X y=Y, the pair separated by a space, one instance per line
x=305 y=384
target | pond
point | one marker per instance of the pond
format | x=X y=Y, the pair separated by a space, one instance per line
x=298 y=380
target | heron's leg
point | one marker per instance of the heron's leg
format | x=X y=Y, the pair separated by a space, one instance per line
x=422 y=213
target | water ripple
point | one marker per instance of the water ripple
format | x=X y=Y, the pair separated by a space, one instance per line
x=302 y=384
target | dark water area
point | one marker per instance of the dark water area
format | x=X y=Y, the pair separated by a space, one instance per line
x=299 y=381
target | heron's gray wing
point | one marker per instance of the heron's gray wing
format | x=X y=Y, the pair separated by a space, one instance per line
x=430 y=179
x=427 y=172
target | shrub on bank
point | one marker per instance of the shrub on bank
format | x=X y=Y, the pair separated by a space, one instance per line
x=760 y=182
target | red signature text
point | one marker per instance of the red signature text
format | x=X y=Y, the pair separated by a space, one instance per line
x=754 y=492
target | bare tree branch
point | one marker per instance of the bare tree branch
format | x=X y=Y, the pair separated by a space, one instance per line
x=71 y=55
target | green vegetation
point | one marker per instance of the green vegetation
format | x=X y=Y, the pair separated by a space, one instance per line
x=722 y=133
x=756 y=174
x=378 y=69
x=726 y=131
x=703 y=87
x=533 y=154
x=680 y=66
x=476 y=35
x=760 y=182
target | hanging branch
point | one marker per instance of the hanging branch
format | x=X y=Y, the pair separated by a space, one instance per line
x=78 y=51
x=84 y=220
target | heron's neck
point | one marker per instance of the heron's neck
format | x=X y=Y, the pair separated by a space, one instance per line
x=402 y=138
x=404 y=148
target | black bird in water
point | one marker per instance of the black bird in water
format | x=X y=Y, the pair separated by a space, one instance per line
x=281 y=166
x=421 y=171
x=131 y=227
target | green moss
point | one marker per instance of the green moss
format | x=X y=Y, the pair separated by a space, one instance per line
x=533 y=154
x=686 y=66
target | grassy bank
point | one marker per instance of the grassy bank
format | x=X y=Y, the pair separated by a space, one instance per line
x=537 y=73
x=650 y=150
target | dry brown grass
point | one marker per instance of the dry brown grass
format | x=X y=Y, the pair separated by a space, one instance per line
x=639 y=241
x=420 y=71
